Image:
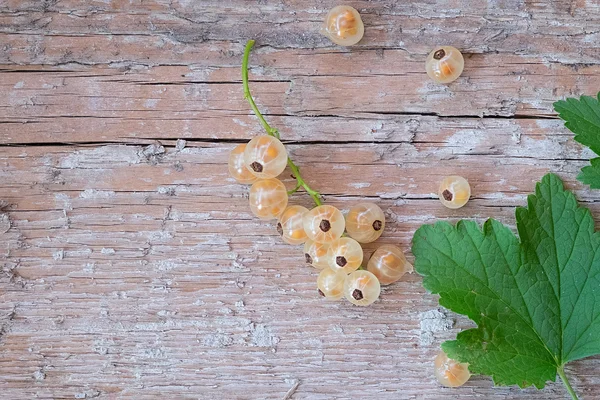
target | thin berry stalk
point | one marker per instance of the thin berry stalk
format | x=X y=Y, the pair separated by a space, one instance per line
x=316 y=196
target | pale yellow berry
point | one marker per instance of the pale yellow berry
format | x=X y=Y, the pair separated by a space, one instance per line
x=237 y=166
x=454 y=191
x=290 y=225
x=268 y=198
x=361 y=288
x=388 y=264
x=345 y=254
x=330 y=284
x=265 y=156
x=365 y=222
x=343 y=26
x=444 y=64
x=315 y=254
x=450 y=373
x=324 y=224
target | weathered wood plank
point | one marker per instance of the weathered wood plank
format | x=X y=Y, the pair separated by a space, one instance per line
x=148 y=266
x=156 y=268
x=132 y=270
x=480 y=26
x=104 y=104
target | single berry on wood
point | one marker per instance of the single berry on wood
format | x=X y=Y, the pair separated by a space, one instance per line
x=444 y=64
x=454 y=191
x=343 y=26
x=450 y=373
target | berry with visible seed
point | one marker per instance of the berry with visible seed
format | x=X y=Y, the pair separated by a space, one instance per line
x=345 y=254
x=315 y=254
x=444 y=64
x=290 y=225
x=265 y=156
x=450 y=373
x=237 y=166
x=454 y=191
x=388 y=264
x=361 y=288
x=268 y=198
x=324 y=224
x=365 y=222
x=343 y=26
x=330 y=284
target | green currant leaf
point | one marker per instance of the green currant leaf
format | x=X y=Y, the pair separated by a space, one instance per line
x=582 y=117
x=536 y=301
x=590 y=175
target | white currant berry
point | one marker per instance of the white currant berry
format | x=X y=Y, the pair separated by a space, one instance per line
x=290 y=225
x=330 y=284
x=324 y=224
x=315 y=254
x=237 y=166
x=265 y=156
x=345 y=254
x=444 y=64
x=343 y=26
x=365 y=222
x=454 y=191
x=388 y=264
x=450 y=373
x=268 y=198
x=361 y=288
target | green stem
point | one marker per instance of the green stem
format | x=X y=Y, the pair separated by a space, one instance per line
x=316 y=196
x=294 y=190
x=248 y=96
x=561 y=373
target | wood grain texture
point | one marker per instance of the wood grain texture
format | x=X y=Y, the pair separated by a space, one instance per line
x=131 y=266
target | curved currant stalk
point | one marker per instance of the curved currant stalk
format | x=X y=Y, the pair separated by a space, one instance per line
x=316 y=196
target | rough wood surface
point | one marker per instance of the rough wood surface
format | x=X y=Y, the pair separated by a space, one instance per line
x=131 y=266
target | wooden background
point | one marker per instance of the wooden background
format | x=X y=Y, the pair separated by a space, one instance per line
x=131 y=266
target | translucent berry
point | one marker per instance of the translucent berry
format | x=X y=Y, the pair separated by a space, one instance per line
x=290 y=225
x=268 y=198
x=345 y=254
x=343 y=26
x=324 y=224
x=330 y=284
x=444 y=64
x=365 y=222
x=361 y=288
x=450 y=373
x=265 y=156
x=454 y=191
x=315 y=254
x=388 y=264
x=237 y=166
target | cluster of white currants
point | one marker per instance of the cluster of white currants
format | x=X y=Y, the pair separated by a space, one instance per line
x=321 y=229
x=343 y=26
